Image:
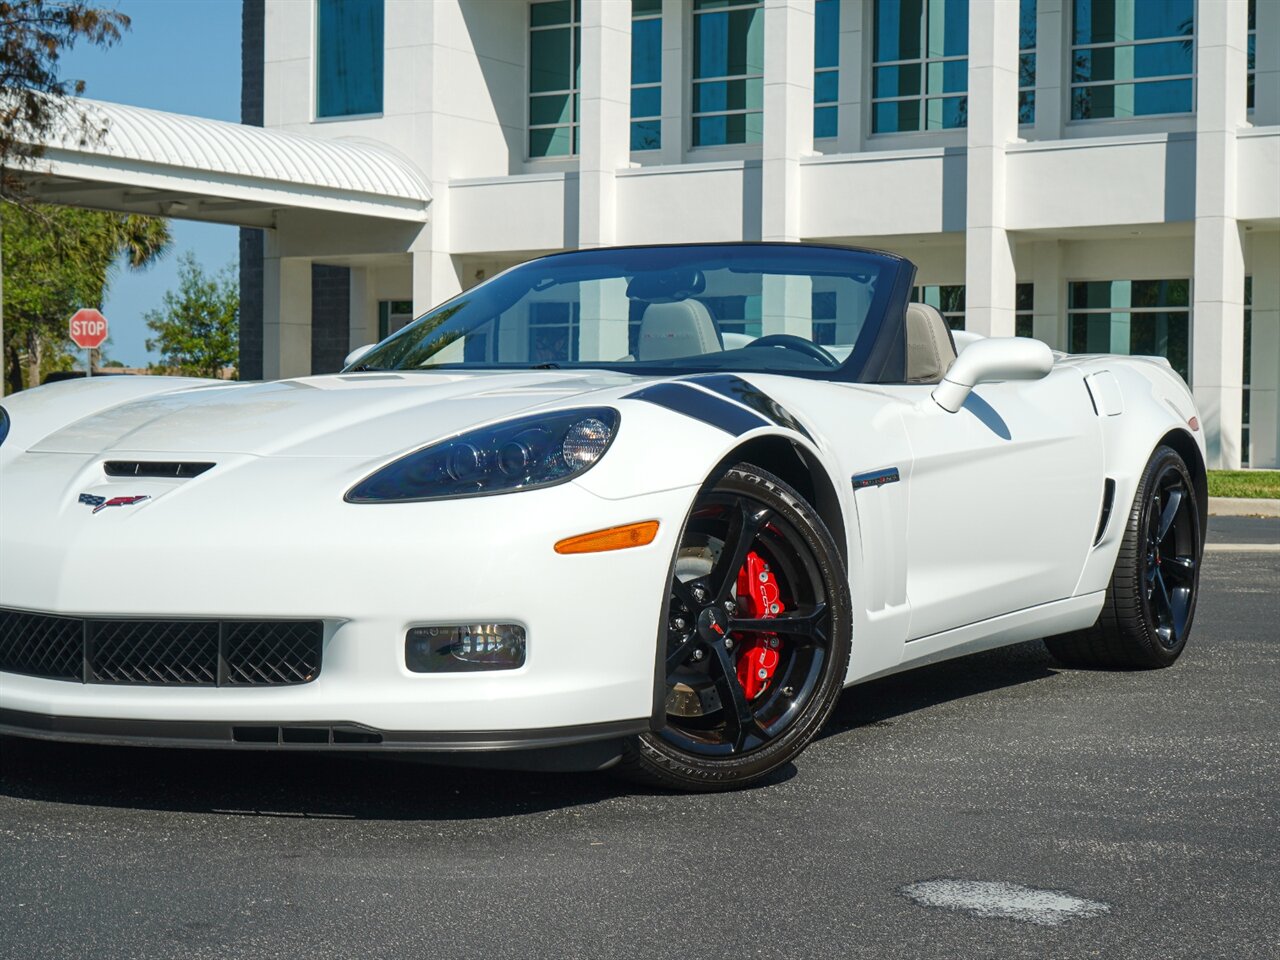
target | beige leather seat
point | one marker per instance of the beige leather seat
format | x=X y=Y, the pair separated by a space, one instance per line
x=930 y=349
x=680 y=329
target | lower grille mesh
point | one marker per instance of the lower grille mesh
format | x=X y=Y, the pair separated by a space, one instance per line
x=161 y=652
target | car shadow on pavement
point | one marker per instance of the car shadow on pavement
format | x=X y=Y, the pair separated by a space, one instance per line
x=359 y=787
x=880 y=702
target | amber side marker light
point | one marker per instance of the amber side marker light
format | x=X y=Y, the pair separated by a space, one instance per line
x=615 y=538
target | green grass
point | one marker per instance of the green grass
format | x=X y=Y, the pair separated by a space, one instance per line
x=1245 y=483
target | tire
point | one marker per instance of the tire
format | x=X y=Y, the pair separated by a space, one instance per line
x=716 y=730
x=1151 y=600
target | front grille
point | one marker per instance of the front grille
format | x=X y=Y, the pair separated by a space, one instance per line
x=184 y=653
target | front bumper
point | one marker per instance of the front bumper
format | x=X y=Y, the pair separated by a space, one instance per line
x=370 y=572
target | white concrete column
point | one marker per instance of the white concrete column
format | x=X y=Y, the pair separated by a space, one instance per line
x=993 y=123
x=1264 y=369
x=1046 y=322
x=788 y=114
x=786 y=305
x=1053 y=39
x=1217 y=317
x=1266 y=90
x=434 y=278
x=855 y=51
x=604 y=134
x=362 y=316
x=676 y=54
x=604 y=329
x=286 y=316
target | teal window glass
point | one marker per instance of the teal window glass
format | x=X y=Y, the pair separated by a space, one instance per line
x=348 y=57
x=1027 y=62
x=1247 y=372
x=1252 y=54
x=728 y=72
x=1024 y=309
x=1140 y=317
x=554 y=69
x=826 y=72
x=1132 y=59
x=920 y=51
x=947 y=299
x=646 y=74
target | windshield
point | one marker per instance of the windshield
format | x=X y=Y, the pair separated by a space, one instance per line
x=784 y=308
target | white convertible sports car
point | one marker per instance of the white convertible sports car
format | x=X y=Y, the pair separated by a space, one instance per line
x=649 y=508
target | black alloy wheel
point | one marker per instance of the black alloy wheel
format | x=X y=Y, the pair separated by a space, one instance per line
x=1172 y=558
x=1151 y=600
x=728 y=719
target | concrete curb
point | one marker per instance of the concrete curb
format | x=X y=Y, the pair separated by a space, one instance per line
x=1243 y=507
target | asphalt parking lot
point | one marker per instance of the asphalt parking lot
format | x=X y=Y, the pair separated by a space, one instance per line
x=1153 y=798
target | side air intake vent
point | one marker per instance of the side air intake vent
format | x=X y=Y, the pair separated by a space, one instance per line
x=1108 y=499
x=172 y=469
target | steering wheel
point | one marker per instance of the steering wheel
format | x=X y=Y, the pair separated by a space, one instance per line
x=790 y=341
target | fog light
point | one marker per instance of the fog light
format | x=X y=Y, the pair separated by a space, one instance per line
x=464 y=649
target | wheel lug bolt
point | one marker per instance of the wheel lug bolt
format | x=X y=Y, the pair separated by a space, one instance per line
x=728 y=643
x=699 y=594
x=678 y=623
x=697 y=654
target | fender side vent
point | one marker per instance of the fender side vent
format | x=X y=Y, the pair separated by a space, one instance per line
x=1108 y=499
x=172 y=469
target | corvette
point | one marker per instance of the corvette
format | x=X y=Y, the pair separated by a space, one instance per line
x=646 y=508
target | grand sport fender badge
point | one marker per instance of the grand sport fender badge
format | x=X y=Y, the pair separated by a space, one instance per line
x=101 y=503
x=876 y=478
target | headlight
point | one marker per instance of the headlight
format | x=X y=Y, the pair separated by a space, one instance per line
x=535 y=451
x=4 y=424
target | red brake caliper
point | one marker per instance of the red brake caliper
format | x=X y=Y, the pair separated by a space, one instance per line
x=757 y=600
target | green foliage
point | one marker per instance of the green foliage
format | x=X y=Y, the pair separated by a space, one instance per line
x=1253 y=484
x=35 y=102
x=198 y=330
x=56 y=260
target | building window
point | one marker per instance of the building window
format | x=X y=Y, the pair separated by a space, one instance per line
x=728 y=72
x=1027 y=61
x=554 y=67
x=348 y=57
x=921 y=68
x=822 y=310
x=1252 y=55
x=826 y=68
x=646 y=74
x=1132 y=59
x=393 y=316
x=947 y=300
x=1024 y=309
x=1143 y=317
x=1247 y=372
x=554 y=331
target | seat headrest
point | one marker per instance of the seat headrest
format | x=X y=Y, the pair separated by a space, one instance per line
x=930 y=349
x=680 y=329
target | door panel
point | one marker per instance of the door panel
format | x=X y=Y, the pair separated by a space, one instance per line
x=1003 y=499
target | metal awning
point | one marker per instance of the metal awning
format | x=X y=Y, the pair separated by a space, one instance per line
x=170 y=164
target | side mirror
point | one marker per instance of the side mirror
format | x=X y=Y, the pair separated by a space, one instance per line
x=358 y=354
x=1001 y=358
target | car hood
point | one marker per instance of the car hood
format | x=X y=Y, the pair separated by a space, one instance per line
x=360 y=415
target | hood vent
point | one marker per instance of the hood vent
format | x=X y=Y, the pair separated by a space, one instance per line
x=170 y=469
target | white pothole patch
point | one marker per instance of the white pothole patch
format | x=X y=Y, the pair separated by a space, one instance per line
x=1011 y=901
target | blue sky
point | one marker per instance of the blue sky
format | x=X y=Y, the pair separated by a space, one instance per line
x=182 y=56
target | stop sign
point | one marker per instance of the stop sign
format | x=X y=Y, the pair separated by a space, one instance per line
x=88 y=328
